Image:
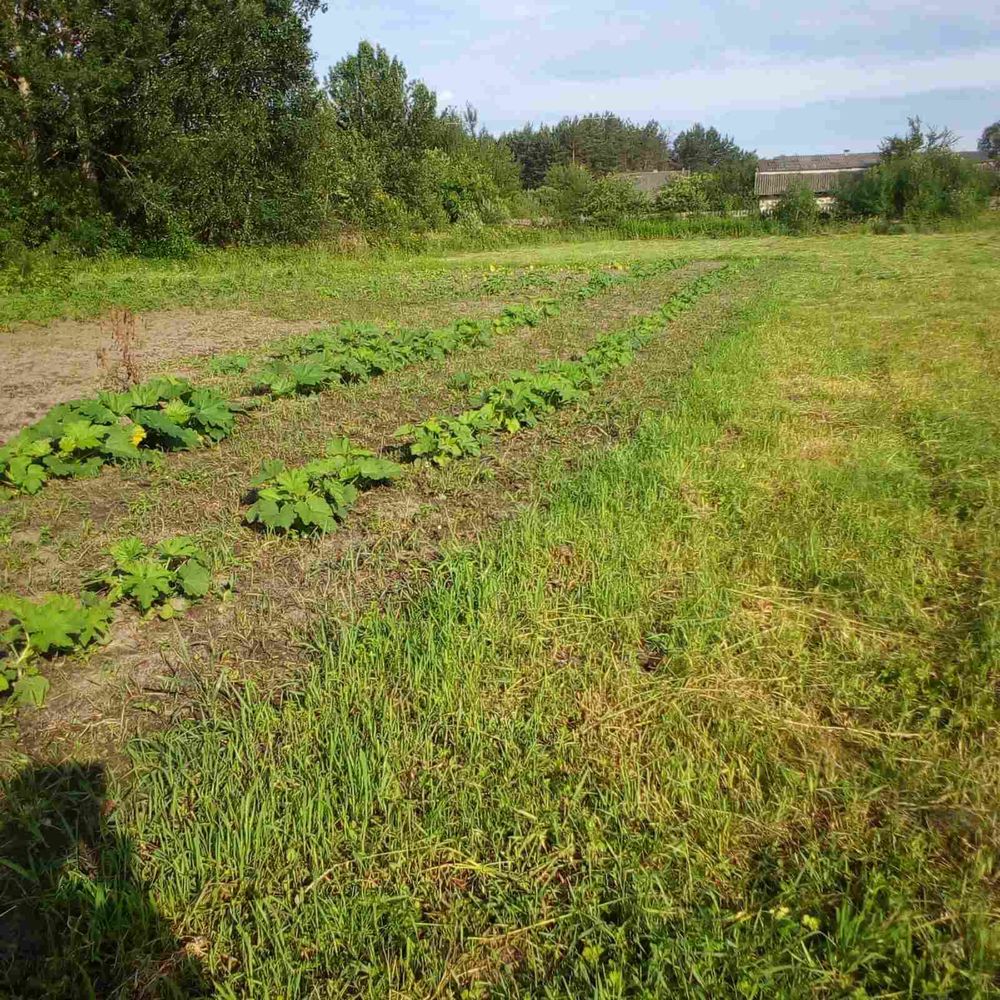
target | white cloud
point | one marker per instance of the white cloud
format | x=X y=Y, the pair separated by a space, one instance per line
x=712 y=60
x=736 y=81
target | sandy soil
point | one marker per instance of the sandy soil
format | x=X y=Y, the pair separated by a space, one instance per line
x=44 y=365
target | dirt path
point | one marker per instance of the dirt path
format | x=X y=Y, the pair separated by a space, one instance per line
x=44 y=365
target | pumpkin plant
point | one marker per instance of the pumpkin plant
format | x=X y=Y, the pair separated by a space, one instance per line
x=32 y=630
x=315 y=497
x=160 y=579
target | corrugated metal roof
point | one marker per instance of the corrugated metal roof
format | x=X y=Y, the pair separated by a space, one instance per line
x=824 y=161
x=819 y=183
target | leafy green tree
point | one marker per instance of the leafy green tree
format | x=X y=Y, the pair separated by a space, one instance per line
x=371 y=97
x=534 y=151
x=565 y=191
x=861 y=195
x=701 y=149
x=385 y=123
x=606 y=143
x=612 y=200
x=468 y=187
x=918 y=139
x=731 y=184
x=158 y=118
x=395 y=162
x=989 y=141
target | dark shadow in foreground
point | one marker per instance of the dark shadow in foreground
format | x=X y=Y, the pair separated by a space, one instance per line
x=74 y=919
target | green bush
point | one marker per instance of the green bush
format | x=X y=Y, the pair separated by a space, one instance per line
x=687 y=193
x=917 y=187
x=612 y=200
x=467 y=190
x=797 y=210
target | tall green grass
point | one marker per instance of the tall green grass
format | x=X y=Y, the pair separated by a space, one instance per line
x=715 y=718
x=718 y=720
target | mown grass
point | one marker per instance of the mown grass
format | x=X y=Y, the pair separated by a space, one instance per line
x=292 y=282
x=716 y=716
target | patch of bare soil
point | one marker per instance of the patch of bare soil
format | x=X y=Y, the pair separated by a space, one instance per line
x=41 y=366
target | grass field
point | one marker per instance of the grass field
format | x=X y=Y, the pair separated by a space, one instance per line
x=689 y=690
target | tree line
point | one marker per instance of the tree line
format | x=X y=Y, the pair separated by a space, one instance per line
x=157 y=125
x=605 y=144
x=164 y=123
x=160 y=124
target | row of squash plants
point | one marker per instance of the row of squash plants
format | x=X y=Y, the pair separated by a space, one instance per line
x=311 y=499
x=77 y=439
x=526 y=396
x=315 y=497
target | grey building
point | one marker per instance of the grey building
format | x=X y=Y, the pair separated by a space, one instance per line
x=821 y=174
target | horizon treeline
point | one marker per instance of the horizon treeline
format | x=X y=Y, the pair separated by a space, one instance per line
x=156 y=126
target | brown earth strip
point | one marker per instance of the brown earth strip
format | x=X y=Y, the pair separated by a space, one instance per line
x=41 y=366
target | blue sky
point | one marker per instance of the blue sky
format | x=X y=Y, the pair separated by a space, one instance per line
x=781 y=77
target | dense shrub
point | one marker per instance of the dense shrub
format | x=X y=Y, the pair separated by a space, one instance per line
x=612 y=200
x=797 y=210
x=917 y=187
x=726 y=189
x=686 y=193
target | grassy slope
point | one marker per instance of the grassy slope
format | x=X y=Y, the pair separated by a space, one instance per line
x=717 y=717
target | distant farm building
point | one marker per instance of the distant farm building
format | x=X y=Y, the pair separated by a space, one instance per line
x=820 y=174
x=650 y=181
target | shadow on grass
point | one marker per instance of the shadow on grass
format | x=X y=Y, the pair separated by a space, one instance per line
x=75 y=921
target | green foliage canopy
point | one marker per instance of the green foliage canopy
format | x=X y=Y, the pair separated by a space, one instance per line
x=989 y=141
x=603 y=143
x=701 y=149
x=174 y=122
x=612 y=200
x=918 y=179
